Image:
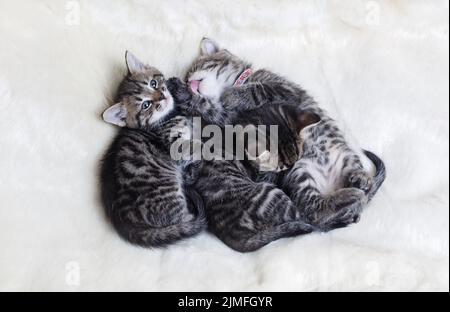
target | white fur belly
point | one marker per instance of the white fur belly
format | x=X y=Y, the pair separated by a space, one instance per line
x=328 y=178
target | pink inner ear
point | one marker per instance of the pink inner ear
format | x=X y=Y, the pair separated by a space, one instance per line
x=194 y=84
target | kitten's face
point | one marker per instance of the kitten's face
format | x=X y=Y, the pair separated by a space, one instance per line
x=214 y=70
x=143 y=97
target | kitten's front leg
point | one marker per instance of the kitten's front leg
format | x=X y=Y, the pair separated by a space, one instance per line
x=179 y=90
x=253 y=95
x=193 y=105
x=187 y=103
x=212 y=112
x=177 y=128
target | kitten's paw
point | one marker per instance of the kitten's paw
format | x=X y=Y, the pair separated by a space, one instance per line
x=266 y=162
x=180 y=130
x=347 y=205
x=179 y=90
x=346 y=197
x=360 y=180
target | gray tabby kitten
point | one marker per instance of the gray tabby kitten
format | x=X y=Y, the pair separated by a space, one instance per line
x=146 y=194
x=244 y=208
x=328 y=186
x=291 y=122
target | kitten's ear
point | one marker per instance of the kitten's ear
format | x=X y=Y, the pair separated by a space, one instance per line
x=208 y=46
x=133 y=64
x=306 y=119
x=115 y=115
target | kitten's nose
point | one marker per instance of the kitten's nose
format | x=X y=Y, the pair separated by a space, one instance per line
x=159 y=96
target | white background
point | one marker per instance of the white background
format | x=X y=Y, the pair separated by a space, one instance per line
x=379 y=67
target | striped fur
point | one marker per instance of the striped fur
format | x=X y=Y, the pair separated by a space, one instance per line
x=327 y=187
x=244 y=213
x=144 y=192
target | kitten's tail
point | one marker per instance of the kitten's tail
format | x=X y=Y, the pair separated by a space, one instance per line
x=380 y=173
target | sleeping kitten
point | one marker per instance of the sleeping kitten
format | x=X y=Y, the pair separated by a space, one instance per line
x=145 y=193
x=328 y=185
x=288 y=117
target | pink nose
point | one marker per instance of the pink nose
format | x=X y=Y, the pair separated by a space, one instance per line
x=194 y=84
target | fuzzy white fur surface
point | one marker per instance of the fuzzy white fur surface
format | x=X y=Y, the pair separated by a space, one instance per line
x=381 y=68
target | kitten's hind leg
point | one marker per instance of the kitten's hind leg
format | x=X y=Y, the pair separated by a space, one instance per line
x=342 y=208
x=338 y=209
x=355 y=174
x=359 y=179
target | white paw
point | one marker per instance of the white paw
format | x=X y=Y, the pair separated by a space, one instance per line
x=181 y=130
x=267 y=162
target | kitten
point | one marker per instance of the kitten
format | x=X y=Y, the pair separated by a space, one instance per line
x=288 y=117
x=328 y=185
x=243 y=206
x=145 y=193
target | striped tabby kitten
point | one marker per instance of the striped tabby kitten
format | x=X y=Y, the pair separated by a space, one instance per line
x=145 y=193
x=243 y=206
x=288 y=117
x=328 y=185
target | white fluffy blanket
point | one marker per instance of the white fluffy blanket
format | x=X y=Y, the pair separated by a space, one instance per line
x=379 y=67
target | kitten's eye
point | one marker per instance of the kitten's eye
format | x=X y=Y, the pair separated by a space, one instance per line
x=153 y=84
x=146 y=104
